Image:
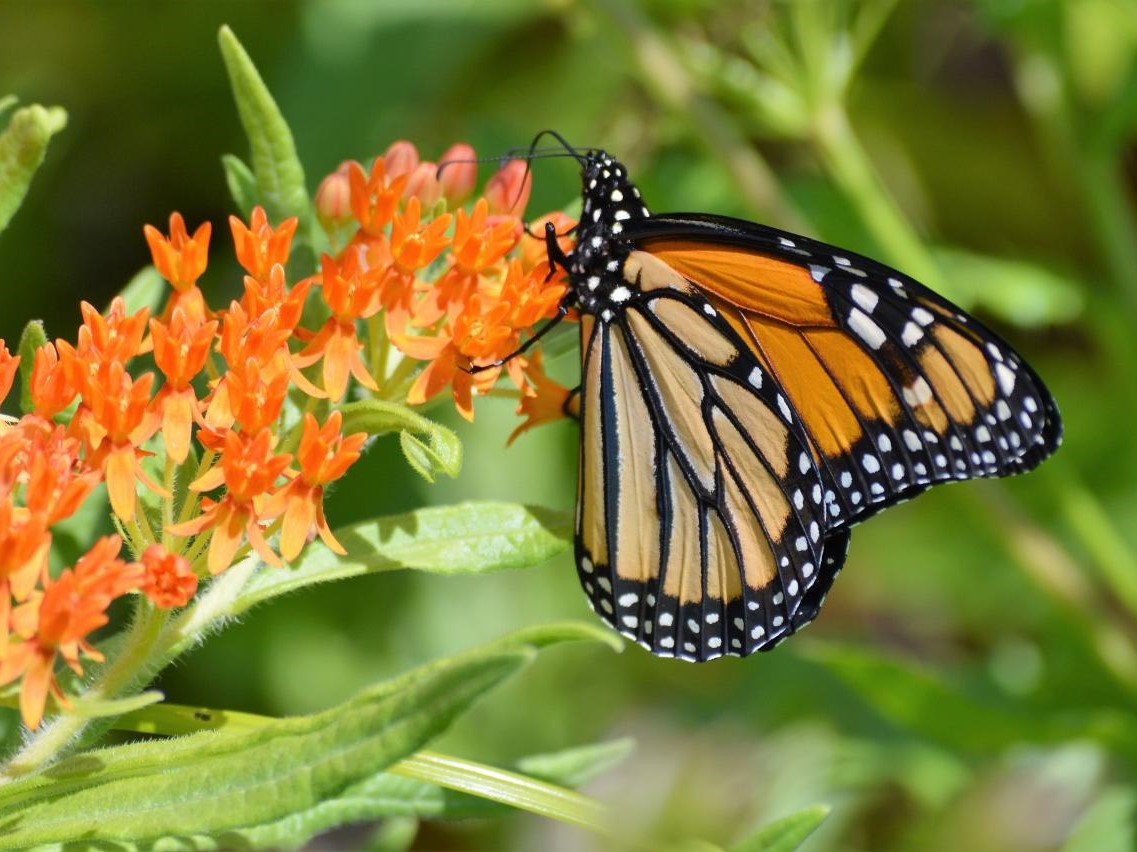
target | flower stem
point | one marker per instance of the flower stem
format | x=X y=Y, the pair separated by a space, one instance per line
x=849 y=164
x=134 y=664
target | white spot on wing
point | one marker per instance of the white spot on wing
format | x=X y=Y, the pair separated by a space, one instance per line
x=865 y=328
x=1006 y=378
x=911 y=334
x=865 y=297
x=918 y=393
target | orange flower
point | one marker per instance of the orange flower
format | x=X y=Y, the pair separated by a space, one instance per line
x=180 y=350
x=413 y=245
x=375 y=196
x=114 y=337
x=271 y=294
x=120 y=421
x=181 y=260
x=50 y=385
x=169 y=582
x=350 y=297
x=255 y=393
x=479 y=335
x=543 y=401
x=55 y=481
x=508 y=190
x=9 y=363
x=248 y=469
x=478 y=245
x=24 y=544
x=324 y=456
x=57 y=621
x=459 y=173
x=531 y=298
x=260 y=246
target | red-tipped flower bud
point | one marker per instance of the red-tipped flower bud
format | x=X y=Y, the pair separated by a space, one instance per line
x=459 y=173
x=423 y=184
x=333 y=198
x=400 y=159
x=508 y=190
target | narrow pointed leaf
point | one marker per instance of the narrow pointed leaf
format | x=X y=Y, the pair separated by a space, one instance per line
x=467 y=538
x=211 y=785
x=115 y=707
x=147 y=289
x=787 y=833
x=575 y=766
x=23 y=145
x=242 y=183
x=275 y=164
x=32 y=339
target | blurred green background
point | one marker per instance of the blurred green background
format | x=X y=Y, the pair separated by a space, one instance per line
x=972 y=680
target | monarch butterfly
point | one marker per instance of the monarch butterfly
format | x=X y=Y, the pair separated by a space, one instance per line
x=748 y=395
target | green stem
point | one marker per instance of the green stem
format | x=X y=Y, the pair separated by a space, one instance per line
x=169 y=483
x=212 y=607
x=1053 y=570
x=135 y=663
x=850 y=166
x=1096 y=532
x=393 y=387
x=669 y=82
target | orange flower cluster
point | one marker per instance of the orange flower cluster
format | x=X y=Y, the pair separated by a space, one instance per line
x=419 y=278
x=457 y=290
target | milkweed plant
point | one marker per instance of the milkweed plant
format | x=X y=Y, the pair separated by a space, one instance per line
x=210 y=434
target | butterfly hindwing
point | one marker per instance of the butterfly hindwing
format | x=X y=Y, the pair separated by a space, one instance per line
x=700 y=524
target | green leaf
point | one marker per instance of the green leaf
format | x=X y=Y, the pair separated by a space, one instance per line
x=23 y=146
x=206 y=788
x=419 y=456
x=575 y=766
x=429 y=447
x=276 y=167
x=914 y=700
x=32 y=339
x=147 y=289
x=467 y=538
x=785 y=834
x=242 y=183
x=396 y=834
x=1107 y=825
x=114 y=707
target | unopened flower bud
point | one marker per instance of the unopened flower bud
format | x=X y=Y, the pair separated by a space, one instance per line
x=459 y=173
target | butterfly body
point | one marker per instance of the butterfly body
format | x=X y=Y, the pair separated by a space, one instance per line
x=747 y=395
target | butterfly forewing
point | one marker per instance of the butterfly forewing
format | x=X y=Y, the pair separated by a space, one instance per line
x=897 y=387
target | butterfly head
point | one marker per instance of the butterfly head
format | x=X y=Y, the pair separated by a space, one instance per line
x=609 y=197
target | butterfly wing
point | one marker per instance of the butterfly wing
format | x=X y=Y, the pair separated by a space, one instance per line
x=897 y=388
x=700 y=513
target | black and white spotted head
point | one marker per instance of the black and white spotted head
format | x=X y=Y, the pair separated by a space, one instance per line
x=610 y=198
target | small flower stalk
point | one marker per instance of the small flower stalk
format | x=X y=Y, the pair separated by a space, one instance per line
x=430 y=291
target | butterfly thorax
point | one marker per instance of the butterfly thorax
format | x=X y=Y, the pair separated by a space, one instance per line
x=610 y=201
